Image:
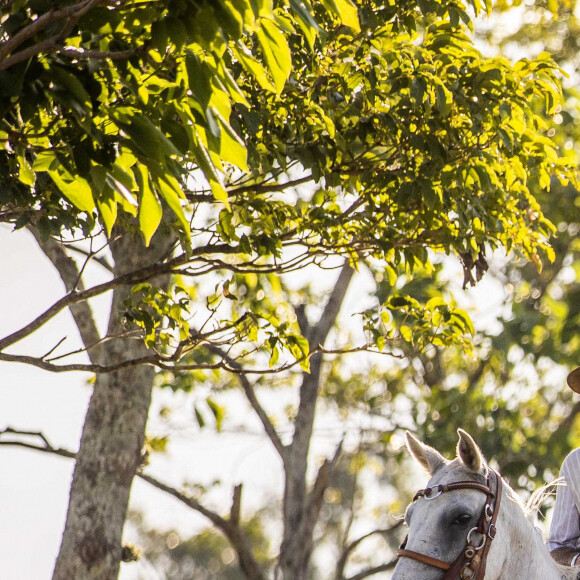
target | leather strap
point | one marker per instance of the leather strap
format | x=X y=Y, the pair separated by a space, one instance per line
x=425 y=559
x=490 y=529
x=436 y=490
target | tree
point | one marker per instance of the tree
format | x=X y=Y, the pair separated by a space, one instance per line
x=517 y=402
x=173 y=137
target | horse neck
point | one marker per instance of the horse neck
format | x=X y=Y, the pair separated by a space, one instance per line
x=526 y=556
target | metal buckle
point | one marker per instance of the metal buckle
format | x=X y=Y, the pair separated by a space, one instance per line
x=429 y=497
x=483 y=539
x=492 y=531
x=488 y=511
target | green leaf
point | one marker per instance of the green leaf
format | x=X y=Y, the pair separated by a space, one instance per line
x=465 y=320
x=230 y=19
x=150 y=210
x=72 y=85
x=232 y=88
x=276 y=52
x=232 y=148
x=199 y=417
x=205 y=163
x=172 y=194
x=218 y=412
x=43 y=161
x=274 y=357
x=145 y=136
x=199 y=76
x=254 y=68
x=157 y=444
x=107 y=208
x=76 y=189
x=444 y=99
x=26 y=174
x=306 y=21
x=346 y=11
x=348 y=14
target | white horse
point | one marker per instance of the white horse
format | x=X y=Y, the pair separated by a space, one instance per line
x=443 y=530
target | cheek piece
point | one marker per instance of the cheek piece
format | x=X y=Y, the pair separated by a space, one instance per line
x=470 y=564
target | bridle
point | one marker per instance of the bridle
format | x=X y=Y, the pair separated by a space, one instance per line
x=470 y=564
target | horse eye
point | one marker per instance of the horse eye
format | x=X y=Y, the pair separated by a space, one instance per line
x=461 y=520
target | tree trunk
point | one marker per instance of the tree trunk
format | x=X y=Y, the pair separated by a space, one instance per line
x=297 y=544
x=112 y=440
x=301 y=508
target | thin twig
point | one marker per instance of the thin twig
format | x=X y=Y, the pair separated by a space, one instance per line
x=133 y=277
x=74 y=11
x=374 y=570
x=80 y=54
x=253 y=400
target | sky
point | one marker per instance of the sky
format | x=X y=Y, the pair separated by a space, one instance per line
x=33 y=486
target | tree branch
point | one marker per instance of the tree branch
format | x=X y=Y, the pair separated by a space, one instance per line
x=252 y=399
x=375 y=570
x=89 y=368
x=355 y=543
x=47 y=448
x=310 y=383
x=267 y=188
x=133 y=277
x=229 y=527
x=320 y=331
x=168 y=364
x=316 y=495
x=236 y=506
x=81 y=311
x=102 y=261
x=302 y=319
x=80 y=54
x=300 y=508
x=190 y=502
x=74 y=12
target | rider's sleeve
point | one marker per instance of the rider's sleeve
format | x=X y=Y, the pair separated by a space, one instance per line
x=565 y=526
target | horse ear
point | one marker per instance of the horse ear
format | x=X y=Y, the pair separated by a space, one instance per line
x=468 y=451
x=429 y=458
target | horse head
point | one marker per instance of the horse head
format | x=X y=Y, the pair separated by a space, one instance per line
x=453 y=517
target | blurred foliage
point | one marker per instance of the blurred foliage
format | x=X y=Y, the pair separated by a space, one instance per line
x=205 y=556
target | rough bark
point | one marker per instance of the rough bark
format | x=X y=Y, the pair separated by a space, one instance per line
x=301 y=508
x=71 y=277
x=112 y=440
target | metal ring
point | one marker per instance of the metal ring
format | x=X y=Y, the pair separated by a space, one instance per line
x=488 y=509
x=430 y=497
x=483 y=539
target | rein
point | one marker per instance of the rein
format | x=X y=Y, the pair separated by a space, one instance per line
x=471 y=562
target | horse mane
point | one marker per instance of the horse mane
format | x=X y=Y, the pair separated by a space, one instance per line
x=539 y=496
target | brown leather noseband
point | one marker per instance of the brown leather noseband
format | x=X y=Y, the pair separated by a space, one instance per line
x=470 y=564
